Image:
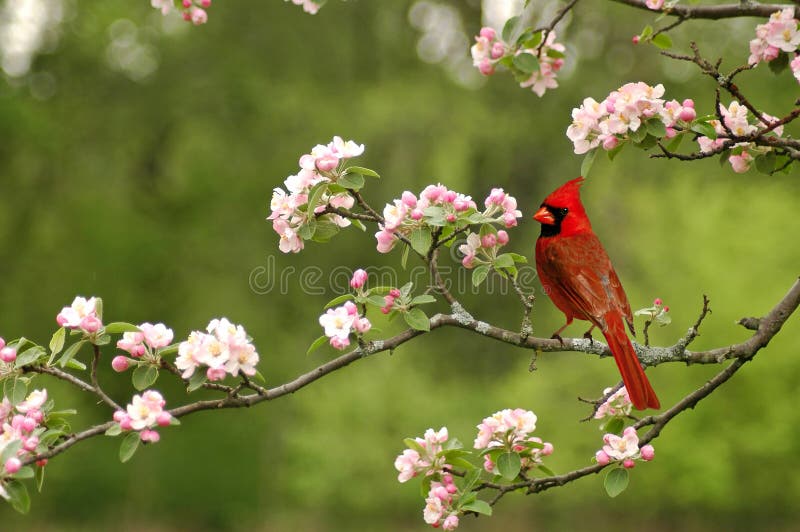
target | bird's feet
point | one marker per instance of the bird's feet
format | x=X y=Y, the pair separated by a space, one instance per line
x=588 y=336
x=557 y=336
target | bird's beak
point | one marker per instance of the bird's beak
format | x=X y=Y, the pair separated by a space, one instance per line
x=544 y=216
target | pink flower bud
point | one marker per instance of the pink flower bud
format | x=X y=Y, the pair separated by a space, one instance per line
x=339 y=343
x=186 y=3
x=30 y=444
x=450 y=218
x=468 y=261
x=186 y=16
x=496 y=197
x=461 y=205
x=451 y=488
x=666 y=309
x=149 y=436
x=658 y=302
x=486 y=67
x=198 y=16
x=447 y=478
x=362 y=325
x=547 y=450
x=509 y=219
x=449 y=196
x=28 y=424
x=688 y=102
x=386 y=310
x=119 y=415
x=635 y=39
x=351 y=308
x=125 y=423
x=648 y=452
x=8 y=354
x=91 y=324
x=327 y=163
x=164 y=419
x=13 y=465
x=498 y=50
x=687 y=114
x=671 y=132
x=628 y=464
x=2 y=343
x=488 y=33
x=17 y=421
x=417 y=214
x=388 y=300
x=602 y=458
x=215 y=374
x=36 y=415
x=394 y=292
x=502 y=237
x=450 y=522
x=409 y=199
x=610 y=142
x=120 y=363
x=359 y=279
x=489 y=240
x=205 y=3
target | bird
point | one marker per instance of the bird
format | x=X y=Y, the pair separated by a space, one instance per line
x=577 y=274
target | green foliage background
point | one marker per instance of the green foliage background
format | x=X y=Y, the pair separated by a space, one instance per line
x=153 y=195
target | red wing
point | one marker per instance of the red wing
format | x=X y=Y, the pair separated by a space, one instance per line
x=582 y=272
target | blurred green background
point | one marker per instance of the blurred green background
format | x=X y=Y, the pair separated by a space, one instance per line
x=138 y=157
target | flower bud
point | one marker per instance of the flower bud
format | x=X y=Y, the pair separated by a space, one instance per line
x=635 y=39
x=409 y=199
x=498 y=50
x=628 y=464
x=13 y=465
x=120 y=363
x=488 y=33
x=327 y=163
x=2 y=343
x=687 y=114
x=215 y=374
x=450 y=218
x=486 y=67
x=359 y=279
x=610 y=142
x=502 y=237
x=647 y=452
x=394 y=292
x=91 y=324
x=602 y=458
x=164 y=419
x=8 y=354
x=658 y=302
x=489 y=240
x=149 y=436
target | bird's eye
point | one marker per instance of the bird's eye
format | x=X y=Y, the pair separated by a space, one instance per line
x=563 y=211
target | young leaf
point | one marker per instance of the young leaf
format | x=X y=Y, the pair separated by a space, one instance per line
x=656 y=127
x=70 y=352
x=421 y=240
x=508 y=28
x=57 y=341
x=118 y=327
x=351 y=181
x=508 y=465
x=533 y=41
x=639 y=135
x=417 y=319
x=616 y=481
x=646 y=32
x=128 y=446
x=338 y=300
x=404 y=257
x=143 y=377
x=587 y=163
x=470 y=479
x=196 y=380
x=319 y=342
x=423 y=299
x=779 y=64
x=766 y=163
x=705 y=129
x=504 y=261
x=526 y=62
x=15 y=390
x=663 y=41
x=113 y=430
x=361 y=170
x=29 y=356
x=479 y=274
x=518 y=258
x=325 y=230
x=613 y=425
x=675 y=142
x=18 y=496
x=23 y=473
x=478 y=506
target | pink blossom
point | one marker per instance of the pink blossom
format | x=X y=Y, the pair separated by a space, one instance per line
x=165 y=6
x=8 y=354
x=74 y=316
x=622 y=447
x=35 y=400
x=215 y=374
x=362 y=325
x=795 y=66
x=289 y=239
x=345 y=150
x=13 y=465
x=309 y=6
x=132 y=342
x=450 y=522
x=741 y=163
x=602 y=458
x=409 y=199
x=359 y=278
x=617 y=405
x=628 y=463
x=654 y=4
x=386 y=240
x=488 y=33
x=505 y=425
x=433 y=511
x=120 y=363
x=157 y=335
x=198 y=16
x=496 y=197
x=407 y=464
x=149 y=436
x=394 y=215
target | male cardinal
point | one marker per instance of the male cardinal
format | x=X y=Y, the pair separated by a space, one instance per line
x=577 y=274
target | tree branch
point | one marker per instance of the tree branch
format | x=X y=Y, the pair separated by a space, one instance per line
x=714 y=12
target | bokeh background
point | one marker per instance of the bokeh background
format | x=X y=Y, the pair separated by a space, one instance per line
x=138 y=157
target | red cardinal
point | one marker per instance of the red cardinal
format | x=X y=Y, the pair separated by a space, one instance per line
x=578 y=276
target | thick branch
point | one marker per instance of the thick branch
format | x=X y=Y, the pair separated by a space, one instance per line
x=715 y=12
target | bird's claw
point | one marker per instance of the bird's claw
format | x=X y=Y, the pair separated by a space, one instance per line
x=557 y=336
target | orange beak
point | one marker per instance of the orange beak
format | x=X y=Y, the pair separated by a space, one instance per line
x=544 y=216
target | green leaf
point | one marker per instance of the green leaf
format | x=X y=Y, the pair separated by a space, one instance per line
x=98 y=308
x=518 y=258
x=766 y=163
x=361 y=170
x=18 y=496
x=316 y=344
x=646 y=32
x=39 y=478
x=23 y=473
x=616 y=481
x=460 y=462
x=196 y=381
x=325 y=231
x=423 y=299
x=478 y=506
x=613 y=425
x=29 y=356
x=526 y=62
x=75 y=364
x=15 y=390
x=656 y=127
x=546 y=470
x=613 y=152
x=417 y=319
x=479 y=274
x=11 y=449
x=508 y=465
x=338 y=300
x=70 y=352
x=470 y=479
x=128 y=446
x=351 y=181
x=405 y=290
x=113 y=430
x=404 y=257
x=315 y=196
x=504 y=261
x=376 y=300
x=705 y=129
x=639 y=135
x=143 y=377
x=508 y=28
x=421 y=240
x=675 y=142
x=357 y=223
x=779 y=64
x=306 y=231
x=663 y=41
x=588 y=161
x=57 y=341
x=118 y=327
x=533 y=41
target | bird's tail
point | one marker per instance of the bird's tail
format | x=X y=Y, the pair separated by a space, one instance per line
x=639 y=389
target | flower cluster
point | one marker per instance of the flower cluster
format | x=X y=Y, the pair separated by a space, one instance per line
x=20 y=428
x=225 y=349
x=389 y=299
x=779 y=34
x=82 y=314
x=479 y=247
x=509 y=431
x=737 y=122
x=309 y=6
x=440 y=510
x=193 y=11
x=290 y=207
x=625 y=110
x=340 y=322
x=534 y=63
x=658 y=312
x=624 y=449
x=424 y=457
x=618 y=404
x=145 y=412
x=146 y=340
